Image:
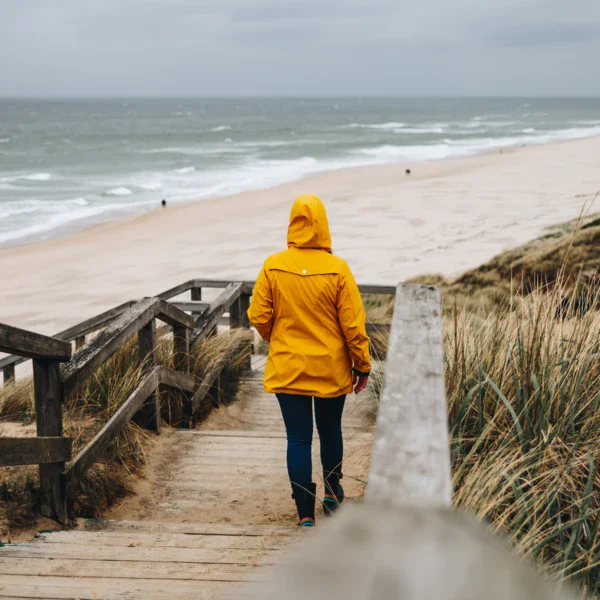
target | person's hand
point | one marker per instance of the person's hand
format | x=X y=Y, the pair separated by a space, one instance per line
x=359 y=382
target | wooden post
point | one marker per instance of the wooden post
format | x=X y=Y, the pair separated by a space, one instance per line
x=196 y=296
x=79 y=342
x=244 y=306
x=48 y=412
x=9 y=373
x=181 y=359
x=149 y=415
x=235 y=315
x=245 y=323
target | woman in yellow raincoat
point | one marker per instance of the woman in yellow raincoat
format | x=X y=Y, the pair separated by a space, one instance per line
x=306 y=304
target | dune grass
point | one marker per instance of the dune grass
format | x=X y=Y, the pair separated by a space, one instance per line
x=85 y=412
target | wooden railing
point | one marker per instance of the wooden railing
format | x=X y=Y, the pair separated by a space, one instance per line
x=58 y=371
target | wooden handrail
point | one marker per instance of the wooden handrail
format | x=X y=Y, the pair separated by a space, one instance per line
x=222 y=283
x=210 y=319
x=98 y=445
x=34 y=450
x=33 y=345
x=411 y=456
x=112 y=338
x=81 y=329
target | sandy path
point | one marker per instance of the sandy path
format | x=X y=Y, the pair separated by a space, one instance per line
x=445 y=217
x=232 y=469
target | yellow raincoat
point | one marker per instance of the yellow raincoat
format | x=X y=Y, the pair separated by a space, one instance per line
x=307 y=305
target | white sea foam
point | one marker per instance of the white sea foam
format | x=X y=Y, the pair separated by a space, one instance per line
x=37 y=177
x=118 y=191
x=221 y=128
x=4 y=140
x=391 y=125
x=185 y=170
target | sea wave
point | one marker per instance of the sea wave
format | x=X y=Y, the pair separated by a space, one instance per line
x=4 y=140
x=390 y=125
x=221 y=128
x=25 y=177
x=118 y=191
x=185 y=170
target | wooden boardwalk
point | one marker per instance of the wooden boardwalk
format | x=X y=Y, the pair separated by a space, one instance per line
x=216 y=513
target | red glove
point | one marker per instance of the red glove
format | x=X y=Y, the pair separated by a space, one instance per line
x=359 y=381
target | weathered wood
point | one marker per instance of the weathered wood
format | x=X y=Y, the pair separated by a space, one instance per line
x=172 y=315
x=177 y=380
x=411 y=459
x=176 y=291
x=220 y=305
x=8 y=373
x=244 y=306
x=371 y=552
x=106 y=343
x=191 y=529
x=235 y=317
x=149 y=415
x=32 y=345
x=364 y=288
x=34 y=450
x=196 y=308
x=98 y=445
x=196 y=296
x=48 y=395
x=70 y=334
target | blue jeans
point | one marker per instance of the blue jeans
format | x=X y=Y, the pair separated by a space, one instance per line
x=298 y=418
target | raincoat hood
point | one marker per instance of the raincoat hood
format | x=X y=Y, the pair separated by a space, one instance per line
x=309 y=227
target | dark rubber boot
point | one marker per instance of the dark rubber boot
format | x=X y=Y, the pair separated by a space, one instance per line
x=334 y=493
x=305 y=503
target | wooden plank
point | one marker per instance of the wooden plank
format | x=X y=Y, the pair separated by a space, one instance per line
x=176 y=291
x=90 y=588
x=191 y=529
x=88 y=326
x=172 y=315
x=130 y=570
x=106 y=343
x=32 y=345
x=48 y=397
x=157 y=555
x=196 y=308
x=164 y=540
x=98 y=445
x=34 y=450
x=177 y=379
x=411 y=459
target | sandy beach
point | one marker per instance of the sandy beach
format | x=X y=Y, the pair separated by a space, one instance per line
x=445 y=217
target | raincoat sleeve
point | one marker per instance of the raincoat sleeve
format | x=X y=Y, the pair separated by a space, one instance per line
x=260 y=312
x=352 y=317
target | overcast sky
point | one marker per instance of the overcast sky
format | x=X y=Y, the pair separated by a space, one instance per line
x=299 y=47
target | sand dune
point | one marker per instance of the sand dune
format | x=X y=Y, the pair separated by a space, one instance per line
x=445 y=217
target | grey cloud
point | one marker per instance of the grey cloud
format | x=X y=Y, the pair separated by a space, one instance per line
x=298 y=47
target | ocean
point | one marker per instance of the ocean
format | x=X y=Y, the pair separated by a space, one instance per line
x=67 y=164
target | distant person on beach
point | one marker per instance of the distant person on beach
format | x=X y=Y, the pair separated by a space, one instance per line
x=164 y=202
x=307 y=305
